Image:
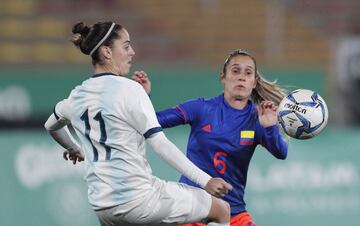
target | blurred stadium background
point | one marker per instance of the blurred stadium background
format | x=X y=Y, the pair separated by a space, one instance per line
x=313 y=44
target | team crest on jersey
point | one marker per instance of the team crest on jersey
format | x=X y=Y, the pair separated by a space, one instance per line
x=247 y=137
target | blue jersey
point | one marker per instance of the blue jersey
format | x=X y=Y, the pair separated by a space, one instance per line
x=223 y=140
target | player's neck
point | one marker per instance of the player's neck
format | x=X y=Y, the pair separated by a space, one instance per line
x=105 y=69
x=236 y=103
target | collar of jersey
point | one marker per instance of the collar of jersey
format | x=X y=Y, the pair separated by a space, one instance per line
x=241 y=111
x=102 y=74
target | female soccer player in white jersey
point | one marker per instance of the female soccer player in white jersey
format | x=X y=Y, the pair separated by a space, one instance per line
x=113 y=116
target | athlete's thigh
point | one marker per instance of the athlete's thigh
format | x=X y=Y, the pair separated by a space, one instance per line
x=151 y=209
x=169 y=203
x=191 y=204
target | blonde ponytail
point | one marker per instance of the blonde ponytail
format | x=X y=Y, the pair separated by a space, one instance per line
x=266 y=90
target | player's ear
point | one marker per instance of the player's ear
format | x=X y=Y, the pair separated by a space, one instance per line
x=222 y=77
x=256 y=80
x=106 y=52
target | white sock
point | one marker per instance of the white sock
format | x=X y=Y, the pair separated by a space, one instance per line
x=218 y=224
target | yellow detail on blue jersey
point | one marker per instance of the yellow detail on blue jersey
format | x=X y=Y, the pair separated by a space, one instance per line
x=247 y=134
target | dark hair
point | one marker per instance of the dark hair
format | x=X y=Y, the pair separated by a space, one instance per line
x=264 y=90
x=86 y=38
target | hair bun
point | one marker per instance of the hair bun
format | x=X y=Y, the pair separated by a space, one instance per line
x=81 y=28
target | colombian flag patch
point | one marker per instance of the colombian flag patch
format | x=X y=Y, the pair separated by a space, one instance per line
x=247 y=137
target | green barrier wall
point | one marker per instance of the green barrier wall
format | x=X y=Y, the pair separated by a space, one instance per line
x=319 y=183
x=33 y=93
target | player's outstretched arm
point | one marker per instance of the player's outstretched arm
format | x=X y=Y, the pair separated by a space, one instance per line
x=175 y=158
x=60 y=134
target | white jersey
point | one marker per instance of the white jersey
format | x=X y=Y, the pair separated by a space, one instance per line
x=112 y=116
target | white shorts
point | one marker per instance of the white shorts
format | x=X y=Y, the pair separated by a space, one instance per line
x=169 y=202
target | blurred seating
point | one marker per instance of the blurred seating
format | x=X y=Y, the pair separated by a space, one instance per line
x=14 y=28
x=41 y=28
x=12 y=52
x=18 y=7
x=187 y=31
x=330 y=17
x=50 y=28
x=210 y=35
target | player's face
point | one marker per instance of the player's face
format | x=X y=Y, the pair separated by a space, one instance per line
x=122 y=53
x=239 y=79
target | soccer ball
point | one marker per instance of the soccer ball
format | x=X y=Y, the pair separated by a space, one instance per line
x=302 y=114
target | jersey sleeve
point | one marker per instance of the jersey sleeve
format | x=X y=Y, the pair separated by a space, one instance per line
x=56 y=126
x=171 y=117
x=61 y=114
x=139 y=112
x=62 y=110
x=185 y=113
x=271 y=138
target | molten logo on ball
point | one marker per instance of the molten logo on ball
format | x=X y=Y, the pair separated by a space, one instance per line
x=295 y=107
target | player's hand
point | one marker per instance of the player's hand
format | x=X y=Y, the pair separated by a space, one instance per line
x=267 y=113
x=218 y=187
x=73 y=155
x=142 y=78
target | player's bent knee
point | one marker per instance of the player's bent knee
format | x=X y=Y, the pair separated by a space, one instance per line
x=219 y=211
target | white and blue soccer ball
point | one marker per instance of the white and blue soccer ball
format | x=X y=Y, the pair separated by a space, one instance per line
x=303 y=114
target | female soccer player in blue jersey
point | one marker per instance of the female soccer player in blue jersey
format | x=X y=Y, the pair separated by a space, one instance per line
x=113 y=117
x=226 y=129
